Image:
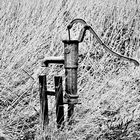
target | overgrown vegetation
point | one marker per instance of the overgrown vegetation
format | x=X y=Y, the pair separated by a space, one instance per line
x=109 y=88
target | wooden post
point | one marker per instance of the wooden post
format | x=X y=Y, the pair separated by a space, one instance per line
x=59 y=101
x=43 y=102
x=71 y=65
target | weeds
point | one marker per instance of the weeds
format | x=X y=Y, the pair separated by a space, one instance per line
x=108 y=87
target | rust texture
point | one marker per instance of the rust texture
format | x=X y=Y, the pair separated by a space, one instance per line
x=71 y=65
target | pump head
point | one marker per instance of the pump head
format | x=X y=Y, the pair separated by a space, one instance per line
x=82 y=34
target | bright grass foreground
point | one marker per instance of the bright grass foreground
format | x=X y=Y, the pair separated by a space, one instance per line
x=109 y=88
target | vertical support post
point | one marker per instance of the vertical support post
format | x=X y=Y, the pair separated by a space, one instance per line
x=71 y=65
x=43 y=102
x=59 y=101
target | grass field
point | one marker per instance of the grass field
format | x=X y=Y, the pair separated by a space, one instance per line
x=109 y=88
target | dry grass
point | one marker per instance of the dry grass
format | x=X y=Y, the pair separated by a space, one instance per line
x=109 y=88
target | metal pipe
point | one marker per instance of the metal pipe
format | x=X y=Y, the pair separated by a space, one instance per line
x=81 y=37
x=71 y=65
x=54 y=59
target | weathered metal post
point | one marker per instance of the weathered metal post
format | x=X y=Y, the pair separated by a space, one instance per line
x=43 y=102
x=71 y=65
x=59 y=101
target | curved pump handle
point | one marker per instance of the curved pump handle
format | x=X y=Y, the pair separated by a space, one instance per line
x=81 y=37
x=73 y=22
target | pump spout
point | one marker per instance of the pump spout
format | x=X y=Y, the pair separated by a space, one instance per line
x=81 y=37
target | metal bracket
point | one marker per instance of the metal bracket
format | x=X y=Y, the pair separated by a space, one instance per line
x=71 y=99
x=70 y=102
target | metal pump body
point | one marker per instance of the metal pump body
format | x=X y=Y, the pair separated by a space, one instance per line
x=71 y=65
x=70 y=61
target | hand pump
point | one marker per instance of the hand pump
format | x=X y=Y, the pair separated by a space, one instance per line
x=70 y=61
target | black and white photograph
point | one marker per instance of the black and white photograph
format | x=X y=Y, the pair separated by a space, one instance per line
x=69 y=69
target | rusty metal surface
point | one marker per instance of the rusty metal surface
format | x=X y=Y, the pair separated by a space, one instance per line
x=71 y=65
x=70 y=54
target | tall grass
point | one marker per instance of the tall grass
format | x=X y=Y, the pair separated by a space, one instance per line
x=108 y=87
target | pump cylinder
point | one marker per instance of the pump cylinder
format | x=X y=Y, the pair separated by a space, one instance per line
x=71 y=65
